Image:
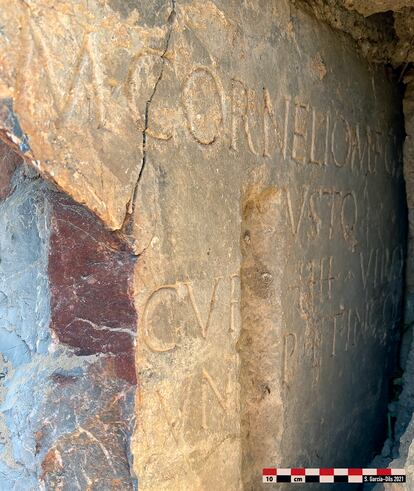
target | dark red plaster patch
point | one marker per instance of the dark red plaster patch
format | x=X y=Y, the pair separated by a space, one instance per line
x=9 y=160
x=91 y=275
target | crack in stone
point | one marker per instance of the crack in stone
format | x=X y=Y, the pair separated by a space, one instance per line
x=104 y=328
x=127 y=224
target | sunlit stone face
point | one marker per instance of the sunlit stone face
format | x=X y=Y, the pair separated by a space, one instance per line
x=270 y=284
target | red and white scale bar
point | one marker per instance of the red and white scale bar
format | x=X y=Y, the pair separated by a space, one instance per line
x=355 y=475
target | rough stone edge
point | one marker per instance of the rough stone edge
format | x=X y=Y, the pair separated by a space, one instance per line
x=15 y=139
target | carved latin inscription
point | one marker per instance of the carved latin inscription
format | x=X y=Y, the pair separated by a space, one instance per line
x=194 y=327
x=203 y=105
x=218 y=109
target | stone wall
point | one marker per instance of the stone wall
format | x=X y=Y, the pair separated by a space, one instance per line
x=238 y=170
x=67 y=368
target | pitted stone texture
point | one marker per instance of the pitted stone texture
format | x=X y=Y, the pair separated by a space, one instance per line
x=369 y=7
x=382 y=28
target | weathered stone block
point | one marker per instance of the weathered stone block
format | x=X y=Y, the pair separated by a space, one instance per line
x=252 y=158
x=286 y=169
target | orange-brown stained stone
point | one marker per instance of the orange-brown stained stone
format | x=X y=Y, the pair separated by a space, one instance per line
x=51 y=462
x=90 y=272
